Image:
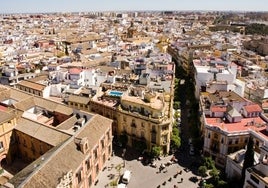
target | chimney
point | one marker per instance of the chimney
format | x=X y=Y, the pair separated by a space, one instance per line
x=82 y=144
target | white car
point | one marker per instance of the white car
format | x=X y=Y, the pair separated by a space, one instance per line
x=121 y=185
x=126 y=176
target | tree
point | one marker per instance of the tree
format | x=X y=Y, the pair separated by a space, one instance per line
x=156 y=151
x=249 y=158
x=175 y=141
x=176 y=105
x=214 y=173
x=202 y=170
x=209 y=186
x=209 y=163
x=222 y=184
x=175 y=131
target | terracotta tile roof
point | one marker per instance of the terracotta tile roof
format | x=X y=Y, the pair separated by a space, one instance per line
x=18 y=95
x=4 y=116
x=52 y=106
x=67 y=124
x=218 y=108
x=41 y=132
x=75 y=71
x=3 y=108
x=256 y=124
x=25 y=104
x=253 y=108
x=32 y=85
x=65 y=158
x=97 y=125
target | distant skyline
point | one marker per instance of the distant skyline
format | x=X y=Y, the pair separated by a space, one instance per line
x=35 y=6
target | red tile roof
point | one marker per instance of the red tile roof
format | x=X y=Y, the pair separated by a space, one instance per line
x=3 y=108
x=253 y=108
x=246 y=124
x=75 y=71
x=218 y=108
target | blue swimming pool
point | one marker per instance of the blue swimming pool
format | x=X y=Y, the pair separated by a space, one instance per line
x=116 y=93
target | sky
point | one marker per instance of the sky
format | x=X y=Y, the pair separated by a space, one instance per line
x=41 y=6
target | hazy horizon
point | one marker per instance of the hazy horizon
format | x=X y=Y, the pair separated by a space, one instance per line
x=50 y=6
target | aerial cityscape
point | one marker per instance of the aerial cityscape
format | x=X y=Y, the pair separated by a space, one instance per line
x=147 y=94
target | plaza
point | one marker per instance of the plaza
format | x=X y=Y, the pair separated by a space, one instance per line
x=181 y=173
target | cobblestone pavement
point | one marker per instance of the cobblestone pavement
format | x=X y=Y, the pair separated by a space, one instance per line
x=147 y=176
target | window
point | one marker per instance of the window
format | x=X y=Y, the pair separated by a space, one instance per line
x=124 y=119
x=230 y=142
x=88 y=163
x=103 y=158
x=97 y=168
x=90 y=180
x=164 y=128
x=165 y=139
x=96 y=153
x=236 y=141
x=79 y=176
x=133 y=124
x=110 y=149
x=102 y=144
x=142 y=124
x=153 y=135
x=108 y=135
x=257 y=143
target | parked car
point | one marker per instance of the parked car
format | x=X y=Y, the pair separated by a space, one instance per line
x=126 y=177
x=121 y=185
x=190 y=142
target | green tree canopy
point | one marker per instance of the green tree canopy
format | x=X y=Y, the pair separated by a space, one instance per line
x=202 y=170
x=156 y=151
x=175 y=141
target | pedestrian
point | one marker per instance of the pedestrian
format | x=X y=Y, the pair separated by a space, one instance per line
x=181 y=179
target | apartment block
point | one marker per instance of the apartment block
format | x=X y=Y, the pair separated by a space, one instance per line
x=227 y=122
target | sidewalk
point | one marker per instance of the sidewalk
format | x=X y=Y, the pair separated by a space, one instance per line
x=112 y=172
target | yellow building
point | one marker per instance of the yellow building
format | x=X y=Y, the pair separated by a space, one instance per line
x=7 y=123
x=146 y=121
